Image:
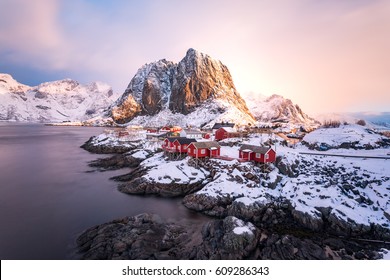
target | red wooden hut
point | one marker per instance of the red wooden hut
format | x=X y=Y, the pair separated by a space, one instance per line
x=181 y=144
x=257 y=153
x=168 y=145
x=177 y=144
x=226 y=132
x=204 y=149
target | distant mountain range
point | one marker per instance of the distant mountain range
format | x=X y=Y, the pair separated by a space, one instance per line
x=197 y=91
x=56 y=101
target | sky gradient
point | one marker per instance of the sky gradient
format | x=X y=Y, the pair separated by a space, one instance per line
x=327 y=56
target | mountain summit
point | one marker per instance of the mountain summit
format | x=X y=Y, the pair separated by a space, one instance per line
x=196 y=82
x=278 y=110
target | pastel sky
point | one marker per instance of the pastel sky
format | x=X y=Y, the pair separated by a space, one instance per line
x=327 y=56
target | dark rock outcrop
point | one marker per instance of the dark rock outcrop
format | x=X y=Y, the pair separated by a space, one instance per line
x=198 y=78
x=220 y=241
x=115 y=162
x=140 y=186
x=280 y=216
x=148 y=236
x=145 y=236
x=92 y=146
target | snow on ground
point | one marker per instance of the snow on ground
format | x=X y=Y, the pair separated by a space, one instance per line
x=229 y=151
x=110 y=138
x=386 y=254
x=352 y=133
x=356 y=189
x=140 y=154
x=164 y=171
x=225 y=183
x=241 y=227
x=207 y=114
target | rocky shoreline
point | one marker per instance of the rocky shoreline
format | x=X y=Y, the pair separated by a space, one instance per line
x=277 y=229
x=148 y=236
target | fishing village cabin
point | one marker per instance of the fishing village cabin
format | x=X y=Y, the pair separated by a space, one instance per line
x=222 y=124
x=181 y=144
x=192 y=133
x=257 y=153
x=226 y=132
x=204 y=149
x=177 y=144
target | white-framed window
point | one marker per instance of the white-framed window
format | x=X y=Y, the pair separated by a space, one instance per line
x=184 y=147
x=189 y=150
x=257 y=155
x=267 y=156
x=202 y=151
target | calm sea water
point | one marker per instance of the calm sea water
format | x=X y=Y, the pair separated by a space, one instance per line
x=48 y=197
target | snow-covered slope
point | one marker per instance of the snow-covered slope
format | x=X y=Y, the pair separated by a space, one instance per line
x=204 y=116
x=345 y=136
x=374 y=120
x=56 y=101
x=278 y=110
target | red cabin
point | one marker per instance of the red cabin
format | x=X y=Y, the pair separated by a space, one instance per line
x=226 y=132
x=181 y=144
x=204 y=149
x=257 y=153
x=177 y=144
x=168 y=144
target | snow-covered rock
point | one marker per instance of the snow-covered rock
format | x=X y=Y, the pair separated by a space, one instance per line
x=64 y=100
x=277 y=110
x=345 y=136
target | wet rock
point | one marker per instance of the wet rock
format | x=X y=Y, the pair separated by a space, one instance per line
x=141 y=186
x=115 y=162
x=93 y=147
x=288 y=247
x=212 y=206
x=145 y=236
x=229 y=238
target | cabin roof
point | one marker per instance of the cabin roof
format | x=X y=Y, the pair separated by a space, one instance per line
x=206 y=144
x=184 y=140
x=172 y=139
x=219 y=125
x=229 y=129
x=254 y=148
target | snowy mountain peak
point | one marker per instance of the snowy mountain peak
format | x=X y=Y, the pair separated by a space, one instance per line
x=277 y=109
x=56 y=87
x=182 y=88
x=9 y=84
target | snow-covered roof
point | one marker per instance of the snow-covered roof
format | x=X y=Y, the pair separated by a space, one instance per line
x=253 y=148
x=229 y=129
x=206 y=144
x=219 y=125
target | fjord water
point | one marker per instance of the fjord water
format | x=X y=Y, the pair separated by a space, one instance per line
x=49 y=195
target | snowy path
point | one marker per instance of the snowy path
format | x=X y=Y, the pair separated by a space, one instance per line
x=341 y=155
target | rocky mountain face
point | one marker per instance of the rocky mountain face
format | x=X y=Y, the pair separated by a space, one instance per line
x=53 y=101
x=277 y=109
x=181 y=88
